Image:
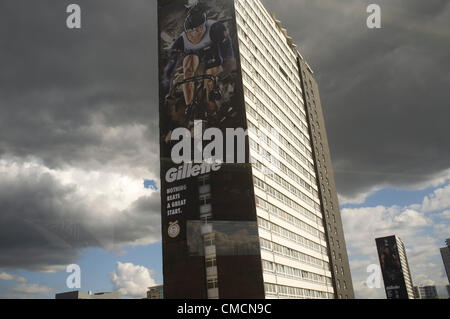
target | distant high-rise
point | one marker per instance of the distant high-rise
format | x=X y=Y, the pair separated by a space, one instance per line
x=395 y=269
x=156 y=292
x=269 y=225
x=89 y=295
x=445 y=253
x=425 y=292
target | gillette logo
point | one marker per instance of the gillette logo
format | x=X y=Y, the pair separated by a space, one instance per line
x=204 y=152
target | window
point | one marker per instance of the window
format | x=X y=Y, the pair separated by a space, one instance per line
x=205 y=199
x=211 y=262
x=210 y=240
x=270 y=288
x=213 y=283
x=203 y=180
x=267 y=266
x=205 y=217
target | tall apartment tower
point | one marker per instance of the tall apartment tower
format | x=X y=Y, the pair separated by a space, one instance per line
x=425 y=292
x=395 y=268
x=445 y=253
x=265 y=224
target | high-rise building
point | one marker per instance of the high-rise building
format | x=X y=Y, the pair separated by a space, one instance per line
x=89 y=295
x=425 y=292
x=155 y=292
x=395 y=268
x=249 y=202
x=445 y=253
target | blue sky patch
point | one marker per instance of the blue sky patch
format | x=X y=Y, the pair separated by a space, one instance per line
x=150 y=184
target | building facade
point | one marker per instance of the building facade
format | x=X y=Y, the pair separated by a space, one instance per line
x=89 y=295
x=156 y=292
x=268 y=226
x=425 y=292
x=395 y=268
x=445 y=253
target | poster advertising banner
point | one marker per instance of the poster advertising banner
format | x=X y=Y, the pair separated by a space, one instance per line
x=391 y=268
x=206 y=176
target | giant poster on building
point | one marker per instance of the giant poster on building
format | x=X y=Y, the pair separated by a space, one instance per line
x=391 y=268
x=206 y=179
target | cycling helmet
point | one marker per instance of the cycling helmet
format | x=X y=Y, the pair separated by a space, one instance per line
x=196 y=17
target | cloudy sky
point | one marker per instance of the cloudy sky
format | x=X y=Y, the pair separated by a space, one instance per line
x=79 y=133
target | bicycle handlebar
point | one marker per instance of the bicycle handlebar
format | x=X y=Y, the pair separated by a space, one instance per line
x=198 y=78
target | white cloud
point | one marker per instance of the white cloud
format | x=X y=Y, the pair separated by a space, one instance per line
x=358 y=199
x=420 y=232
x=411 y=218
x=445 y=214
x=33 y=290
x=6 y=276
x=438 y=200
x=58 y=212
x=132 y=280
x=105 y=190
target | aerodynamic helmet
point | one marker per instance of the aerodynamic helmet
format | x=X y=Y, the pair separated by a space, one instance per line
x=196 y=17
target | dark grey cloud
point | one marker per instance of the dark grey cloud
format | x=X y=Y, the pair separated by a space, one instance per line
x=56 y=83
x=384 y=92
x=71 y=98
x=45 y=224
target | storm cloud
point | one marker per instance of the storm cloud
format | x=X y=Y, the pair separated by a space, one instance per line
x=78 y=106
x=384 y=91
x=58 y=85
x=78 y=130
x=46 y=221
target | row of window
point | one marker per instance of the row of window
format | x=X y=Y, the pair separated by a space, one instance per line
x=257 y=19
x=272 y=160
x=281 y=197
x=295 y=273
x=283 y=141
x=261 y=203
x=273 y=87
x=211 y=262
x=268 y=114
x=213 y=283
x=283 y=232
x=274 y=105
x=271 y=95
x=293 y=254
x=293 y=190
x=257 y=81
x=297 y=293
x=260 y=22
x=267 y=29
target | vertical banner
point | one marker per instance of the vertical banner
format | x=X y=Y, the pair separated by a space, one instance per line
x=391 y=268
x=206 y=177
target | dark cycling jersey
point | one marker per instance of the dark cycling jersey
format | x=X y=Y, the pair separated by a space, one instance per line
x=212 y=50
